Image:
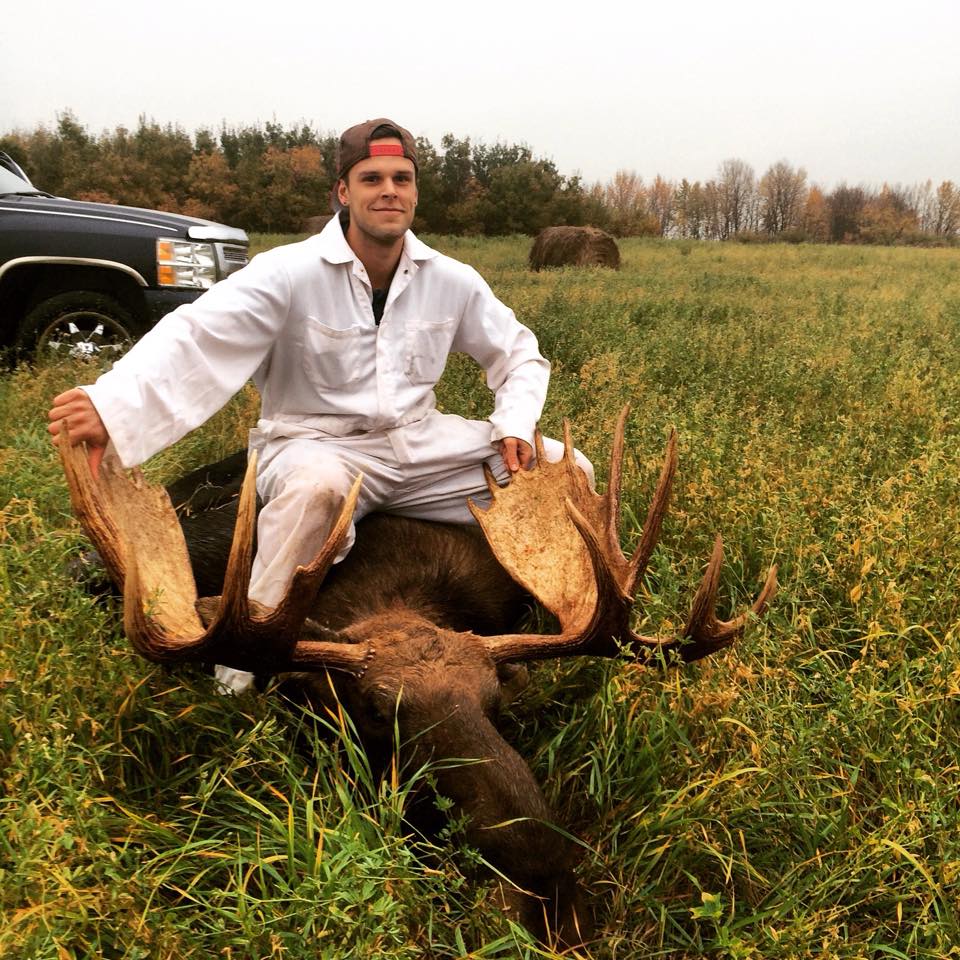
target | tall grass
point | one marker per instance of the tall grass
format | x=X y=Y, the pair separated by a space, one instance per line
x=794 y=797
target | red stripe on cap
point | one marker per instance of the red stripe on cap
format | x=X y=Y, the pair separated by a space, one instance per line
x=386 y=150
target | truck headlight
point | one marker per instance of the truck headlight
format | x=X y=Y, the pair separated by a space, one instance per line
x=183 y=263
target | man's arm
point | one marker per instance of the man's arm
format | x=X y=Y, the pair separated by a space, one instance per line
x=84 y=424
x=516 y=371
x=187 y=367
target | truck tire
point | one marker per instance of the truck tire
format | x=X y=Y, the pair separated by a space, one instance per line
x=81 y=324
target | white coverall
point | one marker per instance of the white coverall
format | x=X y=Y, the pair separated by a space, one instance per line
x=339 y=393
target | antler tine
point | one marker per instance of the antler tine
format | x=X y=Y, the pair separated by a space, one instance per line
x=315 y=655
x=568 y=442
x=704 y=631
x=655 y=515
x=537 y=446
x=294 y=607
x=702 y=608
x=492 y=484
x=615 y=482
x=234 y=612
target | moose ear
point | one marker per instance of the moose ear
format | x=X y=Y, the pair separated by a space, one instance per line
x=514 y=678
x=311 y=630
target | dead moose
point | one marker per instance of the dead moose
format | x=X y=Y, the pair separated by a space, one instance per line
x=413 y=627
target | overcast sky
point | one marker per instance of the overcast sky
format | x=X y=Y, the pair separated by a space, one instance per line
x=852 y=91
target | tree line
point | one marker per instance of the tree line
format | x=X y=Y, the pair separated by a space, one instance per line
x=273 y=178
x=781 y=205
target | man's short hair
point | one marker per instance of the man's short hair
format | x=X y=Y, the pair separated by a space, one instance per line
x=355 y=144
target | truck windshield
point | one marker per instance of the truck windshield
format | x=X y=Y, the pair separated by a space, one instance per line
x=11 y=183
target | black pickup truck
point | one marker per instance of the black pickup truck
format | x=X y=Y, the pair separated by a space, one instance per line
x=81 y=278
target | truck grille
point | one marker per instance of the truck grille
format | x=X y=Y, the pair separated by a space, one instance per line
x=231 y=257
x=234 y=254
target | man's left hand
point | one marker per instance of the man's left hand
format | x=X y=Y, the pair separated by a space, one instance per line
x=517 y=454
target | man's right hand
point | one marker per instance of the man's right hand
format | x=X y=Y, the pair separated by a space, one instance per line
x=84 y=422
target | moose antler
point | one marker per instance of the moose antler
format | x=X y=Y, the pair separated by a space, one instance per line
x=560 y=540
x=548 y=529
x=135 y=529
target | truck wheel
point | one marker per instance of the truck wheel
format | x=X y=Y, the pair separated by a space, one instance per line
x=80 y=324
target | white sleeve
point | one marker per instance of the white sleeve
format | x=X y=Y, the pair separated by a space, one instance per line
x=508 y=351
x=193 y=361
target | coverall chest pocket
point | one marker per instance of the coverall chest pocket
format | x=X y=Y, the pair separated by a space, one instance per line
x=334 y=358
x=428 y=345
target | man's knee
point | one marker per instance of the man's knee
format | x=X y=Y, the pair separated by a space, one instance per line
x=328 y=479
x=300 y=508
x=586 y=466
x=554 y=452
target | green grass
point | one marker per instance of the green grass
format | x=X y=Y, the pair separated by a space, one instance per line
x=794 y=797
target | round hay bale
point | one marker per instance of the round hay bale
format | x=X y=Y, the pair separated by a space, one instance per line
x=574 y=247
x=316 y=224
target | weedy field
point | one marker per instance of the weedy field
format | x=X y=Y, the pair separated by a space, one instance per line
x=793 y=797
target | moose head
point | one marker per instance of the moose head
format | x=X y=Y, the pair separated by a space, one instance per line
x=396 y=651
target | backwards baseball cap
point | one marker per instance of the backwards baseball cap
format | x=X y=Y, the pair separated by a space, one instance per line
x=355 y=144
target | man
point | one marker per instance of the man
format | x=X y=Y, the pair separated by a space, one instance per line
x=345 y=335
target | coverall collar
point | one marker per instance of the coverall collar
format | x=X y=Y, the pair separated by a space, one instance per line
x=333 y=246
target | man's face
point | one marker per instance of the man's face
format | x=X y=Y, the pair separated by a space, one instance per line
x=381 y=193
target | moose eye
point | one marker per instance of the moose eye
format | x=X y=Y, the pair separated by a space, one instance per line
x=382 y=712
x=382 y=705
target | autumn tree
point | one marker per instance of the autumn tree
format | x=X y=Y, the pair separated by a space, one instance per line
x=846 y=212
x=211 y=190
x=167 y=150
x=456 y=168
x=888 y=217
x=59 y=160
x=736 y=197
x=782 y=194
x=660 y=195
x=716 y=222
x=690 y=210
x=947 y=211
x=116 y=174
x=429 y=186
x=518 y=198
x=815 y=219
x=484 y=159
x=573 y=206
x=292 y=187
x=240 y=144
x=625 y=197
x=922 y=199
x=595 y=210
x=145 y=168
